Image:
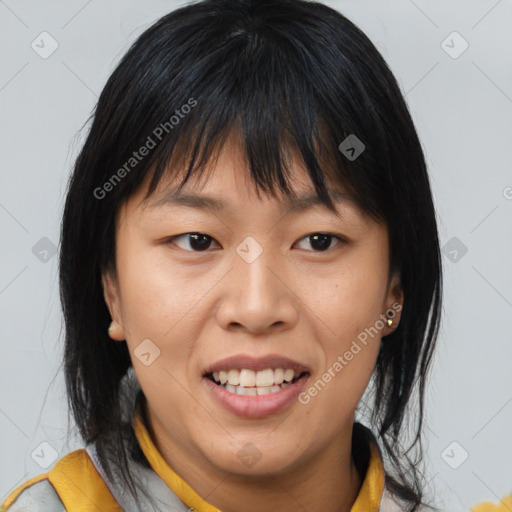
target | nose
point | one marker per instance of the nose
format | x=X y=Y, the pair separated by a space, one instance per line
x=258 y=296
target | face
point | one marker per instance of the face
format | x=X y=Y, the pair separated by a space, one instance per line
x=287 y=303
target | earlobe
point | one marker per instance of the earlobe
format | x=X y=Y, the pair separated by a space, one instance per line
x=394 y=304
x=115 y=329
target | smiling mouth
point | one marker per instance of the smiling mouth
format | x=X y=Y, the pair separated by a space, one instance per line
x=250 y=383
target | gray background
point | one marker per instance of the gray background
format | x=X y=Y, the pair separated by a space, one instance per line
x=461 y=105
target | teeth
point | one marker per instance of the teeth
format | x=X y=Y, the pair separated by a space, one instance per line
x=288 y=375
x=234 y=377
x=263 y=390
x=240 y=390
x=265 y=378
x=250 y=378
x=231 y=389
x=247 y=382
x=247 y=378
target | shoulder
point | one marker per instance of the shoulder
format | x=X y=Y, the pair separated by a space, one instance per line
x=388 y=504
x=37 y=495
x=504 y=505
x=73 y=482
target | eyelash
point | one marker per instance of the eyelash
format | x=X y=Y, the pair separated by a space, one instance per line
x=331 y=235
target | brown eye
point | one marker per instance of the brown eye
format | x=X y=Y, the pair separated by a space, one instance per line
x=321 y=242
x=196 y=242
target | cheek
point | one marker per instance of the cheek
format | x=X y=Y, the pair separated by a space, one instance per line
x=351 y=300
x=162 y=304
x=155 y=294
x=337 y=388
x=349 y=307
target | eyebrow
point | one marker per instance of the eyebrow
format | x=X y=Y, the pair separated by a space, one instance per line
x=214 y=204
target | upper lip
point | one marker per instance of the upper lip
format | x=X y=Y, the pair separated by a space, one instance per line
x=240 y=361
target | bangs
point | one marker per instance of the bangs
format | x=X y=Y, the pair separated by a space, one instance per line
x=256 y=84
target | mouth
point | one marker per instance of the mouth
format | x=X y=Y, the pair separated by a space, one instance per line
x=255 y=387
x=248 y=382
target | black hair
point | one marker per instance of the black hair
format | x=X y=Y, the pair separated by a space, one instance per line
x=281 y=75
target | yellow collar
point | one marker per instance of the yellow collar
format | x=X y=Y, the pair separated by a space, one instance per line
x=368 y=499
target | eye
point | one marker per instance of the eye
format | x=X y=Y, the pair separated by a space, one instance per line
x=322 y=241
x=197 y=241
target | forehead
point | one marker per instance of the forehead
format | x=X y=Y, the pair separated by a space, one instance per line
x=220 y=202
x=218 y=185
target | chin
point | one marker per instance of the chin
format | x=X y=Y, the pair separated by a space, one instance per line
x=252 y=458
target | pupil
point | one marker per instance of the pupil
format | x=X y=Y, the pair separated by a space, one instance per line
x=199 y=242
x=321 y=241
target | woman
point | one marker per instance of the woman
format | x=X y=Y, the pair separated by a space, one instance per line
x=217 y=347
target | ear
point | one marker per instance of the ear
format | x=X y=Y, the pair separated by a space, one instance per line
x=394 y=304
x=112 y=299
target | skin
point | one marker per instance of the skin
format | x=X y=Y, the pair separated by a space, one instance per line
x=294 y=300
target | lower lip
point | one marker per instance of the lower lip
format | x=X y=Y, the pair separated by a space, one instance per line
x=256 y=406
